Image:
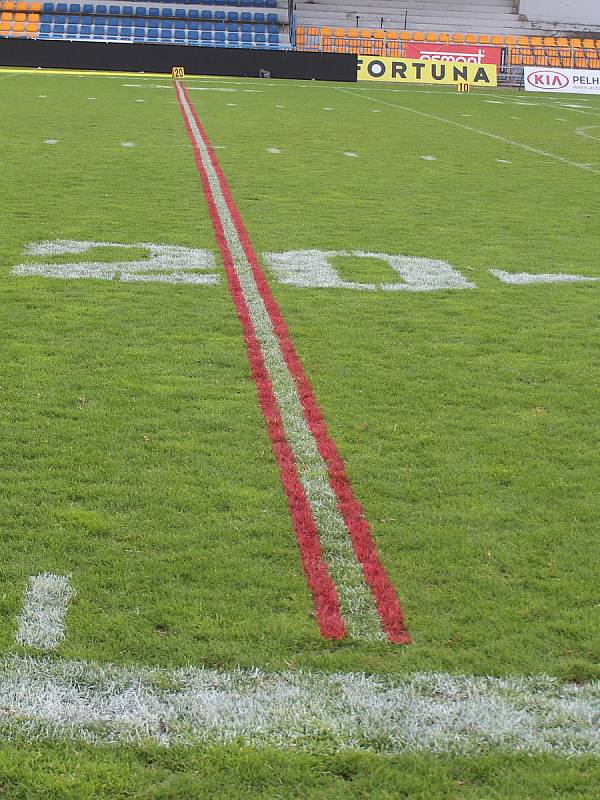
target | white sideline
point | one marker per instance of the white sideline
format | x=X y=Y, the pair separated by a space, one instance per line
x=469 y=128
x=42 y=620
x=436 y=713
x=356 y=601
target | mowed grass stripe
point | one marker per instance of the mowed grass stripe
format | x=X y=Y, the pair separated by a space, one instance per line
x=343 y=531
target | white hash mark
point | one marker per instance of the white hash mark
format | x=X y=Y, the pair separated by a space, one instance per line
x=42 y=620
x=50 y=141
x=273 y=150
x=350 y=154
x=127 y=144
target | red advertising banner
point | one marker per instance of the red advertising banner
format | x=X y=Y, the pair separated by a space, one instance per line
x=461 y=53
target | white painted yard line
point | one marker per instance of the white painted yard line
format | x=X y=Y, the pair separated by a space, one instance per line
x=478 y=131
x=42 y=620
x=356 y=601
x=422 y=712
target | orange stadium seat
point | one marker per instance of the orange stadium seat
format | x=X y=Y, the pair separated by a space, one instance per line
x=484 y=39
x=418 y=36
x=510 y=40
x=498 y=40
x=458 y=38
x=5 y=26
x=431 y=37
x=405 y=36
x=35 y=7
x=20 y=17
x=589 y=44
x=8 y=5
x=22 y=6
x=6 y=17
x=18 y=27
x=444 y=37
x=549 y=41
x=575 y=42
x=523 y=41
x=536 y=41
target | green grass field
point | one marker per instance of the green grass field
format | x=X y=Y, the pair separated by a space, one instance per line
x=134 y=453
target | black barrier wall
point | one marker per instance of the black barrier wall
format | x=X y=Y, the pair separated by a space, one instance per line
x=162 y=57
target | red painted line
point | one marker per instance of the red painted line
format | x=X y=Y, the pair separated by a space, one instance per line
x=321 y=585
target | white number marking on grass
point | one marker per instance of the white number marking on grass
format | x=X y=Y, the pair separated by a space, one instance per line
x=91 y=98
x=42 y=620
x=350 y=154
x=127 y=144
x=50 y=141
x=521 y=278
x=273 y=150
x=314 y=269
x=503 y=161
x=42 y=96
x=478 y=131
x=165 y=263
x=428 y=158
x=422 y=712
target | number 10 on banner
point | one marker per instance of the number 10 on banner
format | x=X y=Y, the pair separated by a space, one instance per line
x=178 y=73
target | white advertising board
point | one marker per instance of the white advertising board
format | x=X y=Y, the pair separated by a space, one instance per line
x=556 y=79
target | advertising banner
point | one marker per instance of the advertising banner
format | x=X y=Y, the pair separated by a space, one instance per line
x=556 y=79
x=406 y=70
x=459 y=53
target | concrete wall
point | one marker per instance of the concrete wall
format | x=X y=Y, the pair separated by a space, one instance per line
x=578 y=12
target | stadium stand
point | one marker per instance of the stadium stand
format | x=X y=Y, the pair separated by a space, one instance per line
x=222 y=23
x=436 y=16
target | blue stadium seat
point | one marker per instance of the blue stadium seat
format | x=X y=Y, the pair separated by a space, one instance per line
x=260 y=38
x=48 y=8
x=62 y=8
x=114 y=10
x=166 y=35
x=220 y=37
x=246 y=16
x=192 y=36
x=193 y=26
x=246 y=37
x=60 y=20
x=219 y=16
x=193 y=13
x=232 y=27
x=180 y=36
x=206 y=26
x=87 y=21
x=139 y=34
x=233 y=39
x=259 y=29
x=219 y=2
x=273 y=38
x=206 y=36
x=128 y=11
x=180 y=12
x=141 y=11
x=154 y=12
x=88 y=8
x=167 y=12
x=272 y=19
x=126 y=33
x=232 y=16
x=75 y=8
x=247 y=28
x=206 y=14
x=258 y=17
x=113 y=21
x=45 y=27
x=219 y=26
x=258 y=3
x=45 y=18
x=152 y=34
x=273 y=29
x=245 y=3
x=112 y=32
x=271 y=3
x=101 y=9
x=180 y=25
x=166 y=24
x=152 y=23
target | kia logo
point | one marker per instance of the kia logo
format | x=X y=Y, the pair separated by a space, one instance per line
x=547 y=79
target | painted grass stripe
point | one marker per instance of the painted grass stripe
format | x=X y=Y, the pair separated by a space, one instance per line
x=42 y=620
x=427 y=712
x=367 y=600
